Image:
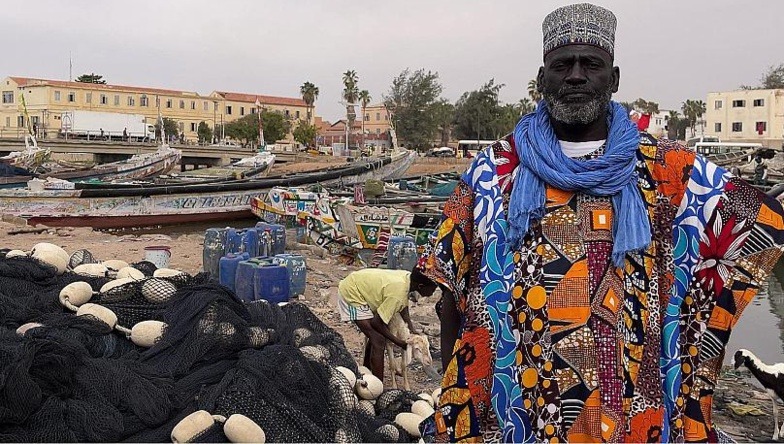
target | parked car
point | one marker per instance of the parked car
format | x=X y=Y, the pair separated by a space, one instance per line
x=444 y=151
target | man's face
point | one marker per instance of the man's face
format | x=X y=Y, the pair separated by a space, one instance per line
x=577 y=82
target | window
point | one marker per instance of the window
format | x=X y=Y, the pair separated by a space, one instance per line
x=8 y=122
x=117 y=100
x=718 y=104
x=737 y=127
x=193 y=125
x=242 y=110
x=131 y=101
x=386 y=117
x=761 y=127
x=88 y=98
x=367 y=117
x=297 y=114
x=378 y=130
x=168 y=103
x=228 y=109
x=182 y=127
x=104 y=100
x=57 y=96
x=378 y=116
x=20 y=122
x=759 y=102
x=738 y=103
x=72 y=97
x=286 y=113
x=8 y=97
x=206 y=106
x=144 y=100
x=717 y=127
x=193 y=104
x=253 y=110
x=182 y=104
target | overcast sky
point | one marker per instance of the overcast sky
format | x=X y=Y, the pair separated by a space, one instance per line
x=668 y=50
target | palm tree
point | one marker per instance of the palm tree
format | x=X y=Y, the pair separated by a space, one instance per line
x=350 y=94
x=533 y=91
x=689 y=108
x=309 y=93
x=699 y=110
x=364 y=100
x=672 y=125
x=526 y=106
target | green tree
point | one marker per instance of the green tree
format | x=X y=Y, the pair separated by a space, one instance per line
x=364 y=101
x=91 y=78
x=645 y=106
x=676 y=126
x=628 y=105
x=533 y=91
x=773 y=78
x=246 y=129
x=204 y=132
x=350 y=94
x=410 y=100
x=310 y=93
x=506 y=120
x=444 y=115
x=526 y=106
x=305 y=133
x=479 y=115
x=693 y=110
x=170 y=126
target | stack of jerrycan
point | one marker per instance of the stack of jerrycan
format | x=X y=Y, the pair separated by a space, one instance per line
x=402 y=253
x=277 y=233
x=262 y=278
x=228 y=268
x=214 y=249
x=297 y=268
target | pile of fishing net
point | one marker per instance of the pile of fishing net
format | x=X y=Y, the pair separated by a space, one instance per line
x=110 y=351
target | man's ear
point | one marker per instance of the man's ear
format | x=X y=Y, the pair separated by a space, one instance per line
x=616 y=79
x=540 y=80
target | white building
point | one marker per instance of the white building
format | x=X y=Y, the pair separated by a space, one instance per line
x=755 y=115
x=658 y=125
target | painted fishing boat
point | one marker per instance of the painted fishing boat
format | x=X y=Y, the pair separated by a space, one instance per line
x=139 y=166
x=341 y=227
x=152 y=205
x=28 y=159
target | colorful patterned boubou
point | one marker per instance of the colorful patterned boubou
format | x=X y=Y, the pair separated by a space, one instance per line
x=556 y=344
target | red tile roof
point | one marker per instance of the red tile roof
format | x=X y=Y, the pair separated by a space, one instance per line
x=266 y=100
x=26 y=81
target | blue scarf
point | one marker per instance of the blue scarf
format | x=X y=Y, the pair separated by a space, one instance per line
x=613 y=174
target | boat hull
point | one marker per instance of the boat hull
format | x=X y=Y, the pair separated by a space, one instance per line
x=120 y=208
x=107 y=222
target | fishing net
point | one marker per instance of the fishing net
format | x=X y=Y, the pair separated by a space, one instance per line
x=68 y=378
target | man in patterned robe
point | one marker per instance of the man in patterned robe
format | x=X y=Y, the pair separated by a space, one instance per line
x=553 y=339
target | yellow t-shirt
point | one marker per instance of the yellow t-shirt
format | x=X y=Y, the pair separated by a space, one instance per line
x=384 y=291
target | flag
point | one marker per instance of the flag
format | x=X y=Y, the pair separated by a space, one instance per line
x=644 y=122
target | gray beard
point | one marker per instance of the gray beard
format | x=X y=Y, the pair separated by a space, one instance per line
x=572 y=113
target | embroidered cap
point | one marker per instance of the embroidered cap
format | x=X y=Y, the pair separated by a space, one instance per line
x=581 y=23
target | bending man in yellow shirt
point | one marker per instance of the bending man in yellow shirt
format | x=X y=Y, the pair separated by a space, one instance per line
x=370 y=298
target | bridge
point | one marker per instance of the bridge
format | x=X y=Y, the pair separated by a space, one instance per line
x=104 y=152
